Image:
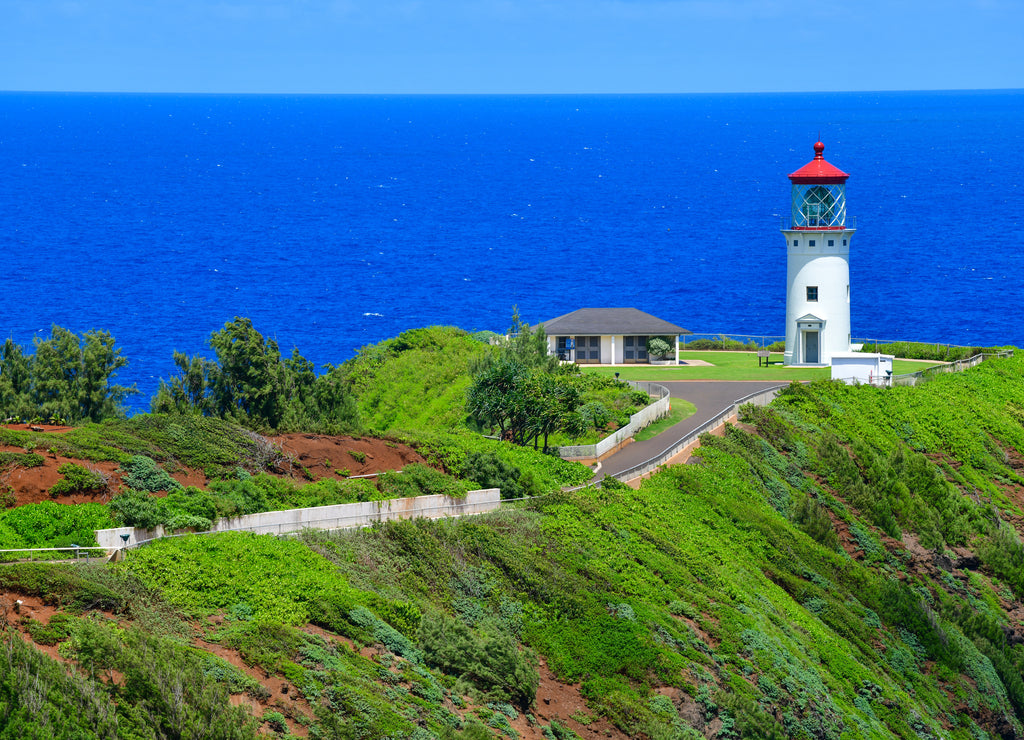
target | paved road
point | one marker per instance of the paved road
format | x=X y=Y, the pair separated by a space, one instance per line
x=709 y=396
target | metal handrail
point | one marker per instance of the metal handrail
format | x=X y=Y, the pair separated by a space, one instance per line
x=955 y=366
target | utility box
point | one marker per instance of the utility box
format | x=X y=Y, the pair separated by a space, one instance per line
x=862 y=367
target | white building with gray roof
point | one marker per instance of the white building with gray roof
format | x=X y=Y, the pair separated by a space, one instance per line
x=608 y=336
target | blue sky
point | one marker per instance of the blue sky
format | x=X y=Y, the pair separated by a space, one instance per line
x=509 y=46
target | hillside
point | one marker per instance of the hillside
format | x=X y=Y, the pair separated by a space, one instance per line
x=845 y=563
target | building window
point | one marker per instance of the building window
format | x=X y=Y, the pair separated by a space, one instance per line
x=810 y=243
x=844 y=242
x=796 y=242
x=831 y=242
x=812 y=293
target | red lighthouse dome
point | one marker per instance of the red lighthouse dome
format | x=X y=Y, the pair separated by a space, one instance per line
x=818 y=171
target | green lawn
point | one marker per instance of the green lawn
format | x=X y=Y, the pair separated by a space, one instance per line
x=734 y=366
x=679 y=410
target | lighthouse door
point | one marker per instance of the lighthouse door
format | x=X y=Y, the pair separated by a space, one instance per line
x=811 y=347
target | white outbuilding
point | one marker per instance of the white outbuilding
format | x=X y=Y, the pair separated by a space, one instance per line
x=862 y=367
x=818 y=268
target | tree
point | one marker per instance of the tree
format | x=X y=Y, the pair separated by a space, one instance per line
x=524 y=391
x=98 y=398
x=15 y=381
x=68 y=377
x=250 y=384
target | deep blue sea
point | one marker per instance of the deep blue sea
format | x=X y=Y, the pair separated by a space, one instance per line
x=337 y=221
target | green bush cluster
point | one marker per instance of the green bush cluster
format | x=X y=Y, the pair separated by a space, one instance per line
x=20 y=459
x=50 y=524
x=197 y=508
x=141 y=473
x=723 y=343
x=538 y=472
x=78 y=480
x=415 y=382
x=489 y=659
x=417 y=479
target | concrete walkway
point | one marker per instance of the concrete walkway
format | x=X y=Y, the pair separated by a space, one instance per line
x=709 y=396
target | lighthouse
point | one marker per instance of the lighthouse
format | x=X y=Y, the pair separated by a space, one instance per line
x=818 y=264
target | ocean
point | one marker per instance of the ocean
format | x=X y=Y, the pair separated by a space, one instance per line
x=338 y=221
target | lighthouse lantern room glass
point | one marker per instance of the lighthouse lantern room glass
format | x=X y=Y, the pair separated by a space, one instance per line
x=819 y=206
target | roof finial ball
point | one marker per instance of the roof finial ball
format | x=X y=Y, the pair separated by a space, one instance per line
x=817 y=267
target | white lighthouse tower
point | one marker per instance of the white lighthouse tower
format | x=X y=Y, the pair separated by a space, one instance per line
x=818 y=267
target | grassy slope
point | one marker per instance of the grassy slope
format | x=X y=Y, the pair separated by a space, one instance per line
x=414 y=382
x=712 y=598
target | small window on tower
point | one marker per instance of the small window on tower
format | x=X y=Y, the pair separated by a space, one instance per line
x=812 y=293
x=810 y=243
x=844 y=242
x=831 y=242
x=796 y=242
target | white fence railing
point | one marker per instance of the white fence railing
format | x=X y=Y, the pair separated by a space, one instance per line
x=645 y=416
x=338 y=516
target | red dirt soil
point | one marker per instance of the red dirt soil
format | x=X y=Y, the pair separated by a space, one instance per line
x=313 y=456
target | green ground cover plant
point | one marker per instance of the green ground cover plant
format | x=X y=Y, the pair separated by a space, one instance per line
x=215 y=446
x=51 y=524
x=680 y=409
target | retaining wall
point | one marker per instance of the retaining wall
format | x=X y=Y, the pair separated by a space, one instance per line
x=338 y=516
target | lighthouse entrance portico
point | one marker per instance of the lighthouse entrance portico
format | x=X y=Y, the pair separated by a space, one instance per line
x=817 y=265
x=809 y=347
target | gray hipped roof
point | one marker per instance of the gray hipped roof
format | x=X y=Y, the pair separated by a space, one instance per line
x=610 y=321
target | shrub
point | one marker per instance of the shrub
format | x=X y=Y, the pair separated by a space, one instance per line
x=924 y=351
x=490 y=660
x=143 y=474
x=136 y=509
x=487 y=470
x=813 y=519
x=21 y=459
x=49 y=524
x=78 y=480
x=722 y=343
x=420 y=480
x=659 y=346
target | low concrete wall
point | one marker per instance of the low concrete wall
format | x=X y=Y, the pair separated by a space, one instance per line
x=338 y=516
x=647 y=415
